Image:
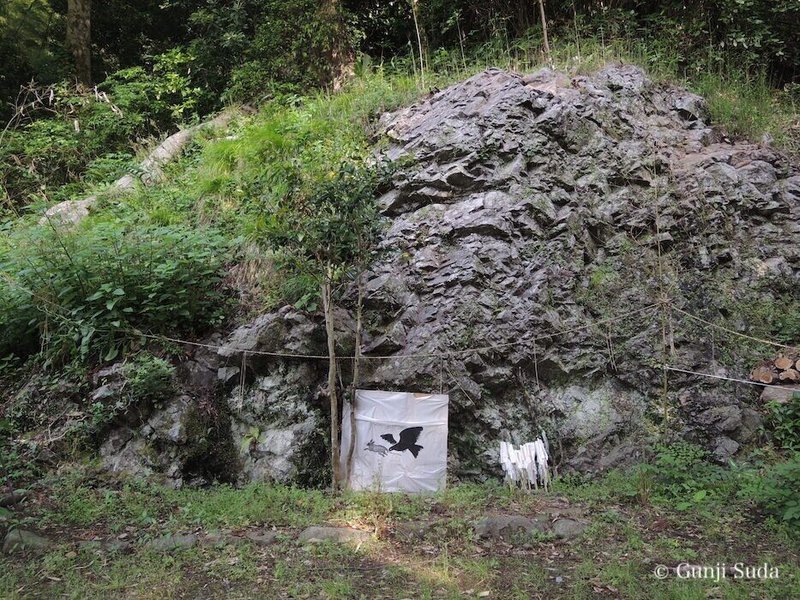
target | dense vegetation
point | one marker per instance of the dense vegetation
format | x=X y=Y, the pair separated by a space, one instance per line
x=232 y=227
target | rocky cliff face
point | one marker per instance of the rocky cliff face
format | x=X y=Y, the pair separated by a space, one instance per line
x=530 y=218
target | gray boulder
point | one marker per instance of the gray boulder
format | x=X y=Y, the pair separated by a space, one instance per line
x=524 y=228
x=21 y=540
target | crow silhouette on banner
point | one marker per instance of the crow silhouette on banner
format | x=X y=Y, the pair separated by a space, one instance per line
x=408 y=441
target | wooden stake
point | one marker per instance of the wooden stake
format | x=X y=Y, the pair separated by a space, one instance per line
x=356 y=372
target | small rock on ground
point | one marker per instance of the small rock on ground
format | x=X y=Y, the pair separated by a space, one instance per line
x=20 y=540
x=169 y=542
x=333 y=534
x=262 y=538
x=567 y=529
x=109 y=546
x=13 y=498
x=413 y=530
x=506 y=526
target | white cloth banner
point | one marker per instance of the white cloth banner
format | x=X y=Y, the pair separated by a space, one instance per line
x=400 y=442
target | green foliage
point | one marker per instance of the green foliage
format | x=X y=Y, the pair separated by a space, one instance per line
x=679 y=476
x=254 y=504
x=30 y=45
x=332 y=229
x=253 y=47
x=161 y=95
x=749 y=106
x=682 y=476
x=293 y=146
x=776 y=489
x=784 y=423
x=82 y=293
x=144 y=504
x=293 y=46
x=15 y=466
x=69 y=137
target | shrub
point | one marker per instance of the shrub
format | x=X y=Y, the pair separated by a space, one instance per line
x=83 y=292
x=254 y=47
x=784 y=422
x=148 y=378
x=776 y=488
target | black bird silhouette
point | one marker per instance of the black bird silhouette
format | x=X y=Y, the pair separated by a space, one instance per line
x=408 y=440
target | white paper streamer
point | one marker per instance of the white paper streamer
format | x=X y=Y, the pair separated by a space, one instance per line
x=526 y=466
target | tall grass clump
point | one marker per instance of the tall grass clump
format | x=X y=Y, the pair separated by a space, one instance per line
x=291 y=148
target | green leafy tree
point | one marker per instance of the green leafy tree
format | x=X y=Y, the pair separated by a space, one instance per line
x=325 y=235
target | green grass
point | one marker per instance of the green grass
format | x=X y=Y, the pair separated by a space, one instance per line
x=143 y=505
x=614 y=558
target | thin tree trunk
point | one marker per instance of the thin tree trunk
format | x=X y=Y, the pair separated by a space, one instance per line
x=339 y=54
x=356 y=369
x=334 y=400
x=544 y=31
x=414 y=4
x=79 y=38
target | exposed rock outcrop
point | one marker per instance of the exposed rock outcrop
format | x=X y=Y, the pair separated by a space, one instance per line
x=527 y=215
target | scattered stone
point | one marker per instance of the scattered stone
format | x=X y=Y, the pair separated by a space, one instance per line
x=21 y=540
x=314 y=535
x=170 y=542
x=217 y=538
x=568 y=529
x=117 y=546
x=112 y=546
x=506 y=527
x=13 y=498
x=262 y=538
x=781 y=395
x=414 y=530
x=724 y=449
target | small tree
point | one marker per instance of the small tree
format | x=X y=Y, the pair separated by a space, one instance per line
x=325 y=235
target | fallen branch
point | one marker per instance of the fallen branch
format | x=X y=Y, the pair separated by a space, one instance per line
x=151 y=169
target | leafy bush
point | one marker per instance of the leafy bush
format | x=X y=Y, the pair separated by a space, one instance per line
x=14 y=465
x=679 y=476
x=776 y=487
x=163 y=94
x=83 y=292
x=784 y=422
x=148 y=378
x=253 y=47
x=683 y=477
